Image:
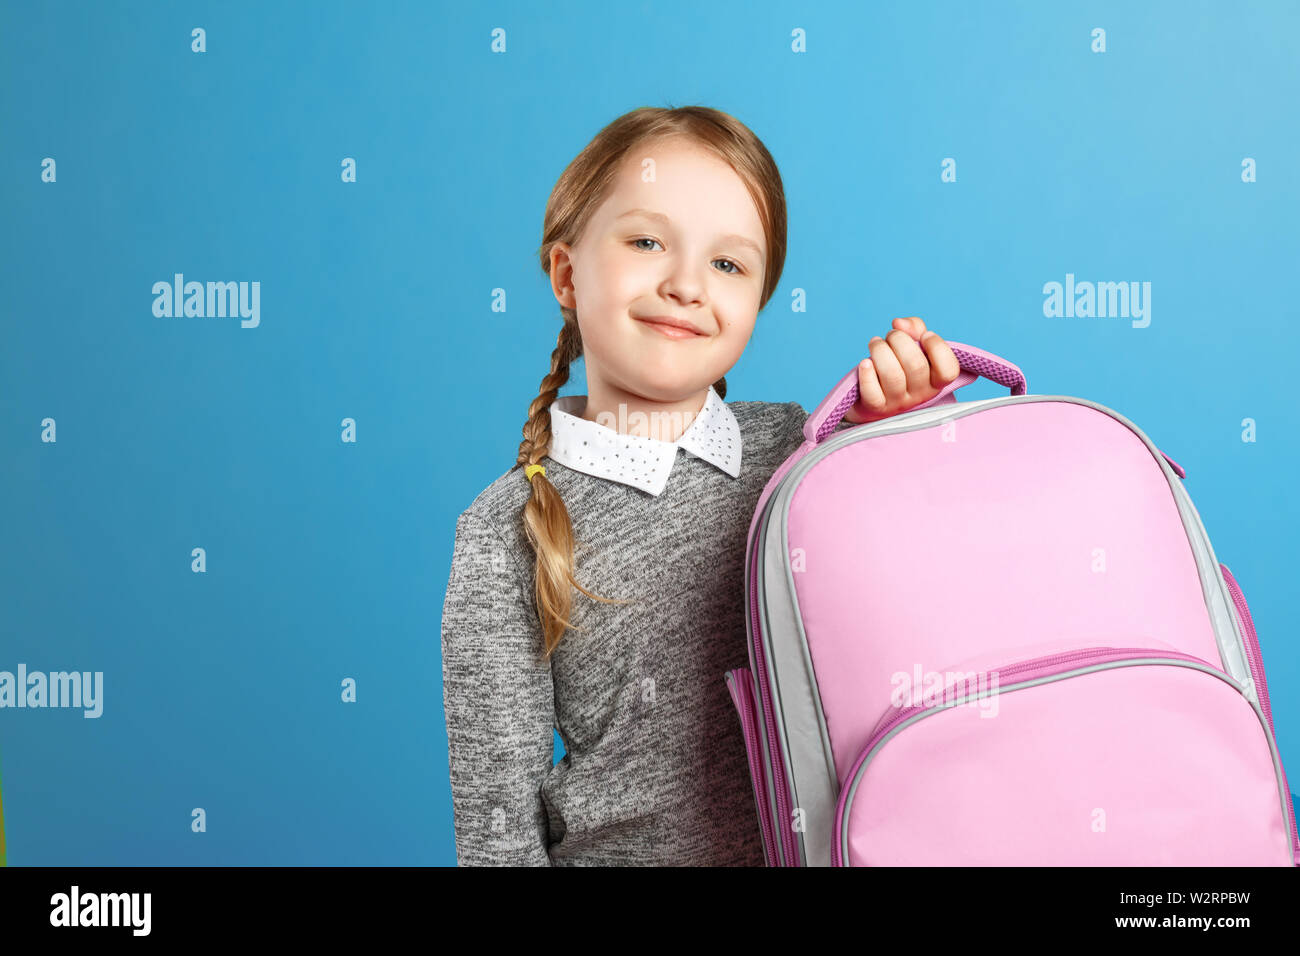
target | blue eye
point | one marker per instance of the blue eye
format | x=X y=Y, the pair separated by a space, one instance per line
x=734 y=265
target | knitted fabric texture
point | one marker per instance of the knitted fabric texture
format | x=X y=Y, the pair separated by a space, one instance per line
x=655 y=771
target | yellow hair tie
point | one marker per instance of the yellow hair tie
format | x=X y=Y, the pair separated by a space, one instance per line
x=530 y=470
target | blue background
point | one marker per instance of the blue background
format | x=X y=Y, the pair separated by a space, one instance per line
x=328 y=560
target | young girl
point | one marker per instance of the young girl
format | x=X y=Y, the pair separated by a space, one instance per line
x=663 y=239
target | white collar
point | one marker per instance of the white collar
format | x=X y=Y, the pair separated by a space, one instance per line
x=605 y=452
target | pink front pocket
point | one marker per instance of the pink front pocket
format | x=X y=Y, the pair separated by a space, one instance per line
x=1100 y=757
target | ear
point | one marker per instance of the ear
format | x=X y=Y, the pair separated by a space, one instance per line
x=561 y=273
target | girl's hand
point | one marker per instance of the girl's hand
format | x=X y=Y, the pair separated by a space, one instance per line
x=900 y=375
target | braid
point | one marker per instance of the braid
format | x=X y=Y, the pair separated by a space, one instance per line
x=537 y=430
x=546 y=520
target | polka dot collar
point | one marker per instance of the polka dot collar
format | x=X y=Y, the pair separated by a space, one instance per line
x=602 y=451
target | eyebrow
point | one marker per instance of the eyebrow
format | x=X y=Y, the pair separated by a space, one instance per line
x=660 y=217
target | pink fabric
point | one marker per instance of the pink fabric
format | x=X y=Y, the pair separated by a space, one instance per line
x=959 y=553
x=1026 y=532
x=1142 y=765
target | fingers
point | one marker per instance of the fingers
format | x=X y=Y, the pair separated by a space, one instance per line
x=912 y=325
x=944 y=365
x=910 y=371
x=884 y=364
x=907 y=366
x=870 y=395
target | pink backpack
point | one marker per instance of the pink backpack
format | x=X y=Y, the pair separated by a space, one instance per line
x=995 y=633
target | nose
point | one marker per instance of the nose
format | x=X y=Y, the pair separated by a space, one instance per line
x=684 y=285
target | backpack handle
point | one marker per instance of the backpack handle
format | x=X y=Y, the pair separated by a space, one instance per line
x=974 y=364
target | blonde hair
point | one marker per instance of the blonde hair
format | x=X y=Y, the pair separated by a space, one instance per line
x=580 y=190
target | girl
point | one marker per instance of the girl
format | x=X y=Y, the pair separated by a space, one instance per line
x=662 y=239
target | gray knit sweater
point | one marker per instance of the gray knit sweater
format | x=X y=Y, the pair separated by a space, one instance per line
x=655 y=771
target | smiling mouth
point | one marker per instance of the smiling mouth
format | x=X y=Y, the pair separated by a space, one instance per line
x=671 y=331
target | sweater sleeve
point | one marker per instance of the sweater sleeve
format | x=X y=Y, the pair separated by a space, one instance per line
x=499 y=700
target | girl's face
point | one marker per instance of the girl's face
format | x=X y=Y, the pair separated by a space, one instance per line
x=687 y=245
